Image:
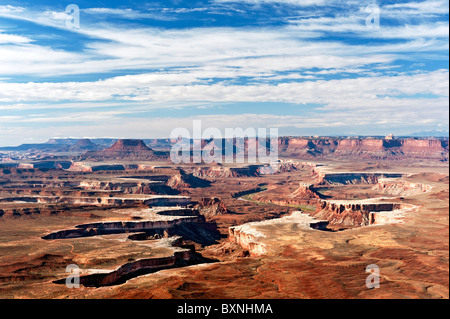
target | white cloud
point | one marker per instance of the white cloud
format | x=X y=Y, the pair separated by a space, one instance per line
x=178 y=67
x=109 y=11
x=13 y=38
x=423 y=8
x=9 y=9
x=343 y=93
x=220 y=52
x=233 y=52
x=128 y=13
x=356 y=24
x=300 y=3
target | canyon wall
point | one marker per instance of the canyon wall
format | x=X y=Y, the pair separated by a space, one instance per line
x=250 y=238
x=352 y=178
x=303 y=147
x=352 y=213
x=249 y=241
x=401 y=187
x=103 y=228
x=366 y=148
x=128 y=270
x=85 y=203
x=220 y=172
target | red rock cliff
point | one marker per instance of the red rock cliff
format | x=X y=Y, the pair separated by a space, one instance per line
x=368 y=148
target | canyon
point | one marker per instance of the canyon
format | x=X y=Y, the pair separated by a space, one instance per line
x=305 y=226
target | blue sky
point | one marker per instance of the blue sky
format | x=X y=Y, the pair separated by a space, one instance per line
x=136 y=69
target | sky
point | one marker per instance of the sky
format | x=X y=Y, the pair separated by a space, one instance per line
x=137 y=69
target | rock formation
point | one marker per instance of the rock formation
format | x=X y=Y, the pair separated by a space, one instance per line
x=80 y=167
x=352 y=178
x=183 y=181
x=210 y=207
x=224 y=172
x=401 y=187
x=351 y=213
x=251 y=236
x=305 y=191
x=125 y=149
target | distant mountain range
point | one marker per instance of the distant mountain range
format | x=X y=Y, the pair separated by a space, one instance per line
x=81 y=145
x=432 y=133
x=387 y=147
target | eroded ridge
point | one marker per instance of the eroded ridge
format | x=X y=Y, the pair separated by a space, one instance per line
x=360 y=213
x=331 y=214
x=250 y=236
x=162 y=221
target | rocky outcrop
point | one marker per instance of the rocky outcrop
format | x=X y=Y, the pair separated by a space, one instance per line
x=283 y=200
x=84 y=145
x=249 y=241
x=125 y=149
x=280 y=167
x=184 y=181
x=149 y=200
x=219 y=171
x=210 y=207
x=401 y=187
x=87 y=167
x=352 y=213
x=251 y=238
x=305 y=194
x=129 y=186
x=104 y=228
x=352 y=178
x=42 y=165
x=129 y=146
x=80 y=167
x=305 y=191
x=223 y=172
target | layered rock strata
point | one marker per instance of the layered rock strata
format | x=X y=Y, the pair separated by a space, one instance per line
x=250 y=236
